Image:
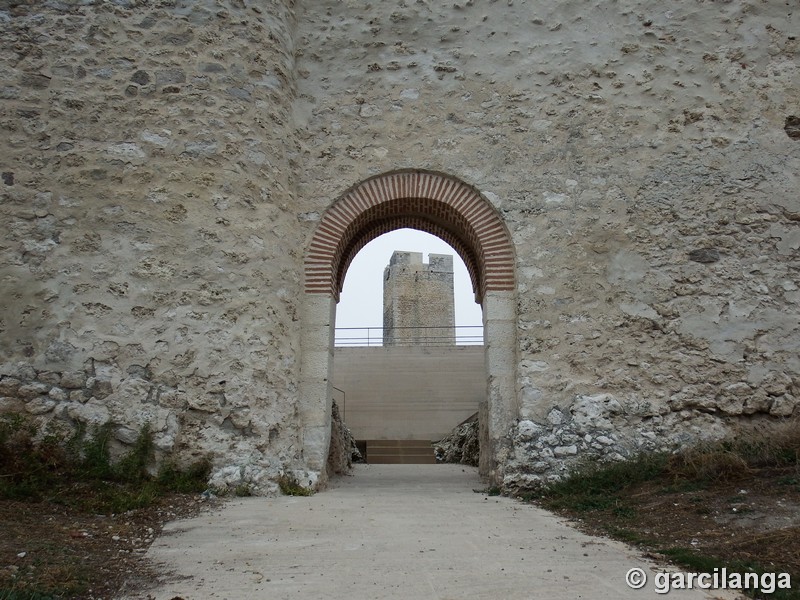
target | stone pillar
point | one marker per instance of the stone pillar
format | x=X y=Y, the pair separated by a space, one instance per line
x=499 y=324
x=316 y=393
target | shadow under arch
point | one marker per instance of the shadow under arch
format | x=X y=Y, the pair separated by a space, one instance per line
x=461 y=216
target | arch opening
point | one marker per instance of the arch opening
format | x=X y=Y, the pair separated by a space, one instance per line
x=409 y=363
x=361 y=310
x=459 y=215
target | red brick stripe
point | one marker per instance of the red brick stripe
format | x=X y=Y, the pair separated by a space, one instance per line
x=431 y=202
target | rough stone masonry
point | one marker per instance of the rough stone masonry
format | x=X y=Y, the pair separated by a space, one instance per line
x=166 y=165
x=418 y=301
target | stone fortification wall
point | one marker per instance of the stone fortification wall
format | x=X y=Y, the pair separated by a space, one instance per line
x=149 y=256
x=165 y=164
x=418 y=304
x=645 y=160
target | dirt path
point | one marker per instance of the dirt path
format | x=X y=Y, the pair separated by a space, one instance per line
x=417 y=531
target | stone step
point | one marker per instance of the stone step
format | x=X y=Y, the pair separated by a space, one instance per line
x=393 y=452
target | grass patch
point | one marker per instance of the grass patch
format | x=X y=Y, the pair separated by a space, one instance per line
x=662 y=501
x=78 y=471
x=629 y=536
x=695 y=561
x=242 y=491
x=623 y=511
x=597 y=486
x=184 y=480
x=680 y=486
x=72 y=583
x=736 y=456
x=68 y=478
x=698 y=562
x=289 y=486
x=25 y=595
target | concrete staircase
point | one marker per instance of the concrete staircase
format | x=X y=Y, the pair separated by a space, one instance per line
x=400 y=452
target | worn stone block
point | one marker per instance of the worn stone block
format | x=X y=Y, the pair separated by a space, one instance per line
x=49 y=377
x=79 y=396
x=9 y=386
x=32 y=390
x=40 y=405
x=18 y=370
x=784 y=406
x=58 y=394
x=92 y=413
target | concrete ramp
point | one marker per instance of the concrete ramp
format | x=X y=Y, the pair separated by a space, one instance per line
x=393 y=532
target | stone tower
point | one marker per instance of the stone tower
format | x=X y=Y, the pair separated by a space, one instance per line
x=418 y=303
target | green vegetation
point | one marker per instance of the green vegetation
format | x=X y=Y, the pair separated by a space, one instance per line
x=698 y=562
x=603 y=495
x=628 y=536
x=242 y=491
x=22 y=595
x=598 y=486
x=291 y=487
x=77 y=469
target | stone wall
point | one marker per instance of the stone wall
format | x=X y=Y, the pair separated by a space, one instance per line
x=149 y=255
x=645 y=159
x=164 y=164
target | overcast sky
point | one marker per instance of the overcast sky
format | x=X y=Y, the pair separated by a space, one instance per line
x=361 y=303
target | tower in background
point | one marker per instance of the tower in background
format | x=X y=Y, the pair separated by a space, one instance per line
x=418 y=305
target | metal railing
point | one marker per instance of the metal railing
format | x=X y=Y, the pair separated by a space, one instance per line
x=460 y=335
